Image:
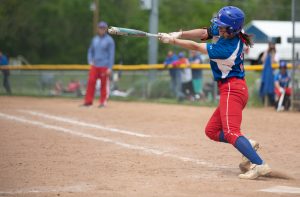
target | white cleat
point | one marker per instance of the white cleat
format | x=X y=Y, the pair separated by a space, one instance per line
x=245 y=164
x=256 y=171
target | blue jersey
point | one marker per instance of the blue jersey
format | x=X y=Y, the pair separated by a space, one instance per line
x=226 y=58
x=3 y=60
x=283 y=79
x=171 y=59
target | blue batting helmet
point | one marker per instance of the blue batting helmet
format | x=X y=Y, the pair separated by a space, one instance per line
x=230 y=17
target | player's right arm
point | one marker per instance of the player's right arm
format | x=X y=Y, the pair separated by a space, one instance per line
x=191 y=34
x=202 y=33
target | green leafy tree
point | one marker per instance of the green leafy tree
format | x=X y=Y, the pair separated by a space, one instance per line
x=60 y=31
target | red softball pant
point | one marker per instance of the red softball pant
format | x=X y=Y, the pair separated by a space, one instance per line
x=288 y=91
x=94 y=74
x=228 y=115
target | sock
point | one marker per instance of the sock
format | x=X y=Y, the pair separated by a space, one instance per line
x=222 y=138
x=244 y=146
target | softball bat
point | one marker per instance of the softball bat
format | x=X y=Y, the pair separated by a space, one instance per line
x=121 y=31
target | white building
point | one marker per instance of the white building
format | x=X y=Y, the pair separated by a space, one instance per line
x=280 y=32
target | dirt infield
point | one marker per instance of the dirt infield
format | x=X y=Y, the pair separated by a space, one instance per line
x=53 y=147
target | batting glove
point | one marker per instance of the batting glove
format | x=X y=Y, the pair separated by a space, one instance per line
x=165 y=38
x=113 y=30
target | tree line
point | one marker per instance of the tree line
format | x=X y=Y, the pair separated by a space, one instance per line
x=60 y=31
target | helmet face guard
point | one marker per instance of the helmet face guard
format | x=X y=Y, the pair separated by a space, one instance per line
x=230 y=17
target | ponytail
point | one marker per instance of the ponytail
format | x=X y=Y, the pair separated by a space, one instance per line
x=246 y=38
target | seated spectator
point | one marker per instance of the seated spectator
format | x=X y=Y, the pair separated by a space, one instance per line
x=73 y=87
x=282 y=82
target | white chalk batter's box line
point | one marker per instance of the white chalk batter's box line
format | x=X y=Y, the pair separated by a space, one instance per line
x=82 y=188
x=115 y=142
x=84 y=124
x=94 y=126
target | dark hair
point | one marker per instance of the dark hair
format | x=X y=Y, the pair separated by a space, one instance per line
x=272 y=47
x=246 y=38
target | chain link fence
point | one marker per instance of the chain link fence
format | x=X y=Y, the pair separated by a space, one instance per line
x=124 y=85
x=296 y=62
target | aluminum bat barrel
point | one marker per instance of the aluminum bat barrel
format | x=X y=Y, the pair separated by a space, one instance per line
x=129 y=32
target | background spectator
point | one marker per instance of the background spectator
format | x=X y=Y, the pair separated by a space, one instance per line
x=267 y=79
x=282 y=81
x=186 y=76
x=74 y=86
x=271 y=51
x=101 y=55
x=174 y=74
x=182 y=60
x=171 y=57
x=195 y=58
x=5 y=72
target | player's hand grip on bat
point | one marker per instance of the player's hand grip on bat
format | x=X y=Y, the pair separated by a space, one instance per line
x=173 y=34
x=166 y=38
x=176 y=34
x=113 y=30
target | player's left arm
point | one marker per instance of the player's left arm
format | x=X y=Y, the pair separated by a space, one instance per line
x=202 y=33
x=191 y=45
x=194 y=34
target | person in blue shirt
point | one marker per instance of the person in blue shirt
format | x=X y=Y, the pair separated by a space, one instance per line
x=5 y=72
x=282 y=85
x=195 y=58
x=175 y=74
x=227 y=65
x=101 y=56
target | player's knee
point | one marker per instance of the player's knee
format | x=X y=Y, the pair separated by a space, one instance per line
x=231 y=137
x=211 y=133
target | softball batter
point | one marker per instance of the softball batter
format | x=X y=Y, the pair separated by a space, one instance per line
x=227 y=65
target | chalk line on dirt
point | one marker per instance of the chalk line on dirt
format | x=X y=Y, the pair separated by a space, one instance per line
x=282 y=189
x=80 y=187
x=118 y=143
x=81 y=123
x=95 y=126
